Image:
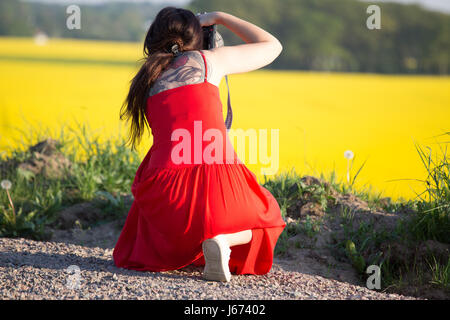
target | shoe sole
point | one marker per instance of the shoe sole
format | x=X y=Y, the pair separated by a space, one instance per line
x=216 y=268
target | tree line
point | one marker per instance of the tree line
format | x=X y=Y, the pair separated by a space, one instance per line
x=324 y=35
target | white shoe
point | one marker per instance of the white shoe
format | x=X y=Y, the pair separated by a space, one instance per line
x=217 y=255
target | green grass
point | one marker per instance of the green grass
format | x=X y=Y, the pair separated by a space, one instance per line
x=105 y=171
x=286 y=188
x=433 y=218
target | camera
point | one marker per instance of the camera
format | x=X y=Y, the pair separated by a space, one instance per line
x=211 y=37
x=208 y=36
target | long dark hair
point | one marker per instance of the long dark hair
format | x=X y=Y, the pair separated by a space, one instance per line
x=170 y=26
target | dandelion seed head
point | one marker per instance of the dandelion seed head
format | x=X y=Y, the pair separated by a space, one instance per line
x=6 y=184
x=348 y=154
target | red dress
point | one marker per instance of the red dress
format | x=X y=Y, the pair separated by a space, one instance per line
x=178 y=205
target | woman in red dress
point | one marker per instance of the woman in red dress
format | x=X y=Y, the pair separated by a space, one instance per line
x=195 y=202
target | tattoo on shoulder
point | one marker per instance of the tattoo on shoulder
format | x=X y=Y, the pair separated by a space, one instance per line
x=185 y=69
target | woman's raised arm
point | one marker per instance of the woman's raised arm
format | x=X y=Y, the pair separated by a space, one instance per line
x=261 y=47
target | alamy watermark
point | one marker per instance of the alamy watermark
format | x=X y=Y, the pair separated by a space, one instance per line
x=73 y=21
x=374 y=280
x=74 y=278
x=374 y=20
x=73 y=281
x=189 y=147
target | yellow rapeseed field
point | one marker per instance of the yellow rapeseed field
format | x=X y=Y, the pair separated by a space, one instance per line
x=318 y=115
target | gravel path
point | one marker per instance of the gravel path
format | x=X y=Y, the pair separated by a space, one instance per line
x=39 y=270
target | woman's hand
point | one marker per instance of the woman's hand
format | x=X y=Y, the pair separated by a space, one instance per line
x=207 y=19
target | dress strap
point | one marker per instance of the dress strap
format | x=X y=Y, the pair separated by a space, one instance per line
x=206 y=68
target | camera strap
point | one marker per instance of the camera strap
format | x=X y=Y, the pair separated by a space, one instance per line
x=212 y=44
x=229 y=118
x=211 y=40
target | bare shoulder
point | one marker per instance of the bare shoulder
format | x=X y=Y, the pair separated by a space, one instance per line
x=214 y=75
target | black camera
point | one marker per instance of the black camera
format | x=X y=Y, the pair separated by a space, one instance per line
x=208 y=36
x=211 y=38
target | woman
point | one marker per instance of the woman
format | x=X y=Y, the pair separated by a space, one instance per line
x=186 y=211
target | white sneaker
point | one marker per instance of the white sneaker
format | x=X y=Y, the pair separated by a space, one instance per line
x=217 y=255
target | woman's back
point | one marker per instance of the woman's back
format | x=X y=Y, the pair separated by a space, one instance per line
x=187 y=68
x=220 y=61
x=185 y=103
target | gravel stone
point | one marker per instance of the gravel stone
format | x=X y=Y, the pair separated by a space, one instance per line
x=39 y=270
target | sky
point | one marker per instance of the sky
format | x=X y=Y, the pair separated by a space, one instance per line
x=438 y=5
